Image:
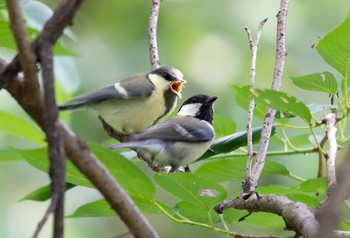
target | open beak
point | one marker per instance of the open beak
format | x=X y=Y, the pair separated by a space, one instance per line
x=176 y=87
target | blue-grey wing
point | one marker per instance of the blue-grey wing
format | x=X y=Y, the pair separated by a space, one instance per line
x=138 y=86
x=180 y=128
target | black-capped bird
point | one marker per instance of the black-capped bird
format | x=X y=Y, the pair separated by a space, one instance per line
x=177 y=141
x=134 y=103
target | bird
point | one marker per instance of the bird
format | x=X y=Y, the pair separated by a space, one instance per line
x=135 y=103
x=178 y=141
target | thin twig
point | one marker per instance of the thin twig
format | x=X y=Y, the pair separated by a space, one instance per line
x=49 y=210
x=254 y=48
x=57 y=168
x=331 y=131
x=152 y=34
x=251 y=183
x=321 y=157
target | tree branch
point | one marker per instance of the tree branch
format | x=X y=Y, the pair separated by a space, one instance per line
x=76 y=149
x=57 y=169
x=328 y=213
x=152 y=34
x=331 y=131
x=297 y=216
x=251 y=183
x=254 y=48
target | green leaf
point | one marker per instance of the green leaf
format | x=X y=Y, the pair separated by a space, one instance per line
x=17 y=126
x=291 y=193
x=259 y=219
x=223 y=125
x=43 y=193
x=10 y=156
x=133 y=180
x=7 y=40
x=36 y=15
x=304 y=198
x=277 y=100
x=196 y=213
x=101 y=208
x=38 y=158
x=232 y=142
x=321 y=82
x=316 y=185
x=192 y=189
x=131 y=177
x=233 y=169
x=334 y=47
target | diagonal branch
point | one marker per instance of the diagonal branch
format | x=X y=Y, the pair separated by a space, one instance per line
x=251 y=182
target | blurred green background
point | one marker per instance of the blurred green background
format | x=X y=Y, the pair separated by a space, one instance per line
x=206 y=40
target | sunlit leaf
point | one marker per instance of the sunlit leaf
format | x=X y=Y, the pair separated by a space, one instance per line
x=321 y=82
x=10 y=156
x=277 y=100
x=7 y=40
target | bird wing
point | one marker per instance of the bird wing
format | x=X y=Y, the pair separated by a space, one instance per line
x=137 y=86
x=179 y=129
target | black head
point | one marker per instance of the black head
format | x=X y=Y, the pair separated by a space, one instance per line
x=199 y=106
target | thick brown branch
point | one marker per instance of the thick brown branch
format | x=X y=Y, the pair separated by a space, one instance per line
x=297 y=216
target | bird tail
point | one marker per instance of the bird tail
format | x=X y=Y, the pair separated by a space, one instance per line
x=135 y=144
x=74 y=104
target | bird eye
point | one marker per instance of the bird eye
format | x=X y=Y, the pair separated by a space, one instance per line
x=167 y=76
x=194 y=100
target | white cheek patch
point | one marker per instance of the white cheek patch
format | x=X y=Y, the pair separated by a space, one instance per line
x=121 y=90
x=159 y=82
x=189 y=109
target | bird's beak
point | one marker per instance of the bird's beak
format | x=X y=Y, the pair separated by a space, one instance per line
x=176 y=87
x=212 y=99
